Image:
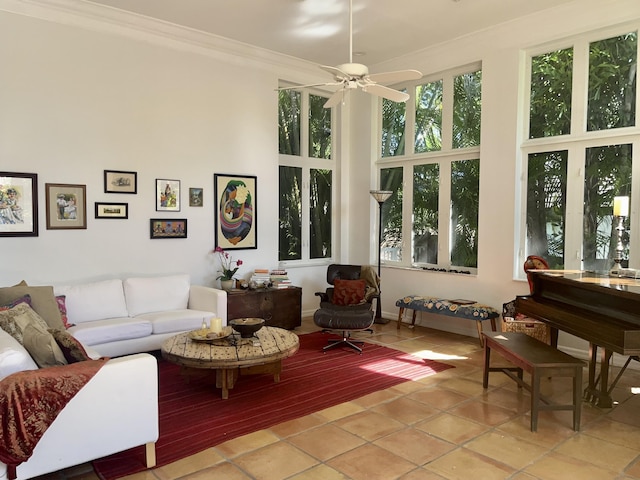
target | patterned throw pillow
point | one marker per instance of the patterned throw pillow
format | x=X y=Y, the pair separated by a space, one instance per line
x=15 y=320
x=72 y=349
x=42 y=346
x=348 y=292
x=62 y=306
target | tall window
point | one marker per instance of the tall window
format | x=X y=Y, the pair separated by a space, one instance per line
x=305 y=178
x=579 y=156
x=438 y=173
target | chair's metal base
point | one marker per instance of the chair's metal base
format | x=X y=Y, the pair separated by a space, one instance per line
x=344 y=341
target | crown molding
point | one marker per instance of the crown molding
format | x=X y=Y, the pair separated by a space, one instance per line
x=100 y=18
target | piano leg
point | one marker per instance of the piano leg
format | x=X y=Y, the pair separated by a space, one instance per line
x=599 y=397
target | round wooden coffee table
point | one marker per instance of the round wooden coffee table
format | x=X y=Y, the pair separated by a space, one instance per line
x=234 y=356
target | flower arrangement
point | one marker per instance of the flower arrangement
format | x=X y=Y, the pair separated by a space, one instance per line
x=226 y=262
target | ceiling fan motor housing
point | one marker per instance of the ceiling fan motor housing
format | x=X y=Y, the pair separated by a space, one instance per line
x=354 y=70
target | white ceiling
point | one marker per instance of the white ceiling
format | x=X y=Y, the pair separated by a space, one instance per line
x=318 y=30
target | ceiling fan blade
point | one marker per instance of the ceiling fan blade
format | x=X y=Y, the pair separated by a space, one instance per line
x=395 y=77
x=336 y=98
x=295 y=87
x=386 y=92
x=336 y=72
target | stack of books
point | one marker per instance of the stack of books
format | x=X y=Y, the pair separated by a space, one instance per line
x=261 y=276
x=279 y=279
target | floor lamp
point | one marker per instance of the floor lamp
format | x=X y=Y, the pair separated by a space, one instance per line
x=380 y=196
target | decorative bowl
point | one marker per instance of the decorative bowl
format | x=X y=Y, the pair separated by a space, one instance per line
x=246 y=327
x=206 y=335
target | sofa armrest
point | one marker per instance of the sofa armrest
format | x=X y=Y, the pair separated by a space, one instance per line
x=209 y=300
x=123 y=393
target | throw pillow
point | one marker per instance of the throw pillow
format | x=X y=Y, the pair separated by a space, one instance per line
x=72 y=349
x=348 y=292
x=62 y=306
x=42 y=301
x=42 y=346
x=16 y=319
x=24 y=299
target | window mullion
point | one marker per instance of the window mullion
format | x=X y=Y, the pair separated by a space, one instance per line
x=444 y=219
x=574 y=231
x=580 y=87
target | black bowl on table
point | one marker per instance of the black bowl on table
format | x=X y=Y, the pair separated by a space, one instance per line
x=246 y=327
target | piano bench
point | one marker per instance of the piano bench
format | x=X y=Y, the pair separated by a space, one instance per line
x=460 y=309
x=540 y=360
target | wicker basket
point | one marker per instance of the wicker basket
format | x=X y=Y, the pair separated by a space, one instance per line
x=516 y=322
x=531 y=327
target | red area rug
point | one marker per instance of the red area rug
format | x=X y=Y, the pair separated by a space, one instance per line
x=193 y=417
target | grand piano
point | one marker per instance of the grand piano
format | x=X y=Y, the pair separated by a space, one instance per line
x=598 y=308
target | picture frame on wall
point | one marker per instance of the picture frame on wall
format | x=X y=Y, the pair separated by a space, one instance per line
x=167 y=228
x=111 y=210
x=196 y=197
x=235 y=211
x=117 y=181
x=167 y=195
x=18 y=204
x=66 y=206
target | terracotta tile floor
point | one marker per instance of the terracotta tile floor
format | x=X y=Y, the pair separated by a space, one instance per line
x=443 y=427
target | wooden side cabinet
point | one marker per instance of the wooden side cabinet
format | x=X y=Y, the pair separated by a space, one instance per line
x=280 y=307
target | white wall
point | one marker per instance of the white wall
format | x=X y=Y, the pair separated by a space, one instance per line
x=76 y=99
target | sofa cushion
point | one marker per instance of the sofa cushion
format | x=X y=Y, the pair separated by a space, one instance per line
x=13 y=356
x=155 y=294
x=110 y=330
x=171 y=321
x=71 y=348
x=93 y=301
x=42 y=301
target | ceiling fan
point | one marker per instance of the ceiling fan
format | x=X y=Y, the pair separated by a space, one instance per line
x=350 y=76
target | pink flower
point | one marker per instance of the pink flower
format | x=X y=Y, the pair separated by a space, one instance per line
x=226 y=262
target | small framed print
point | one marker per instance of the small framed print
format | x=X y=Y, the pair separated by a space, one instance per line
x=18 y=204
x=167 y=195
x=66 y=206
x=195 y=197
x=116 y=181
x=112 y=210
x=168 y=228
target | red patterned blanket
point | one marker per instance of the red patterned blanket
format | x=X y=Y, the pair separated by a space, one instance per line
x=31 y=400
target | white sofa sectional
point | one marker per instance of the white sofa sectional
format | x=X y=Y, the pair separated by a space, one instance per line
x=119 y=317
x=118 y=408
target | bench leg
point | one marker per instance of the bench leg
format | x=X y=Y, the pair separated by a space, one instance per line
x=479 y=326
x=577 y=399
x=413 y=318
x=487 y=359
x=400 y=313
x=535 y=399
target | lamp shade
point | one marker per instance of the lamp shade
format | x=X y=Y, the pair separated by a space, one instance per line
x=380 y=196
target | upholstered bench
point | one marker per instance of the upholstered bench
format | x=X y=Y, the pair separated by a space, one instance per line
x=452 y=308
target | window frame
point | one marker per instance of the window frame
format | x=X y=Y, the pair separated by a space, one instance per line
x=443 y=158
x=307 y=163
x=576 y=143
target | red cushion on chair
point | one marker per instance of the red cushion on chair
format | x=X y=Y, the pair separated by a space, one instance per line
x=348 y=292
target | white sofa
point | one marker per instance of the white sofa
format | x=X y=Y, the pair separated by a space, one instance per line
x=98 y=420
x=119 y=317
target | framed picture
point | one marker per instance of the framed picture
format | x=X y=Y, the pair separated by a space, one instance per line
x=168 y=228
x=235 y=211
x=112 y=210
x=116 y=181
x=66 y=206
x=195 y=197
x=18 y=204
x=167 y=195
